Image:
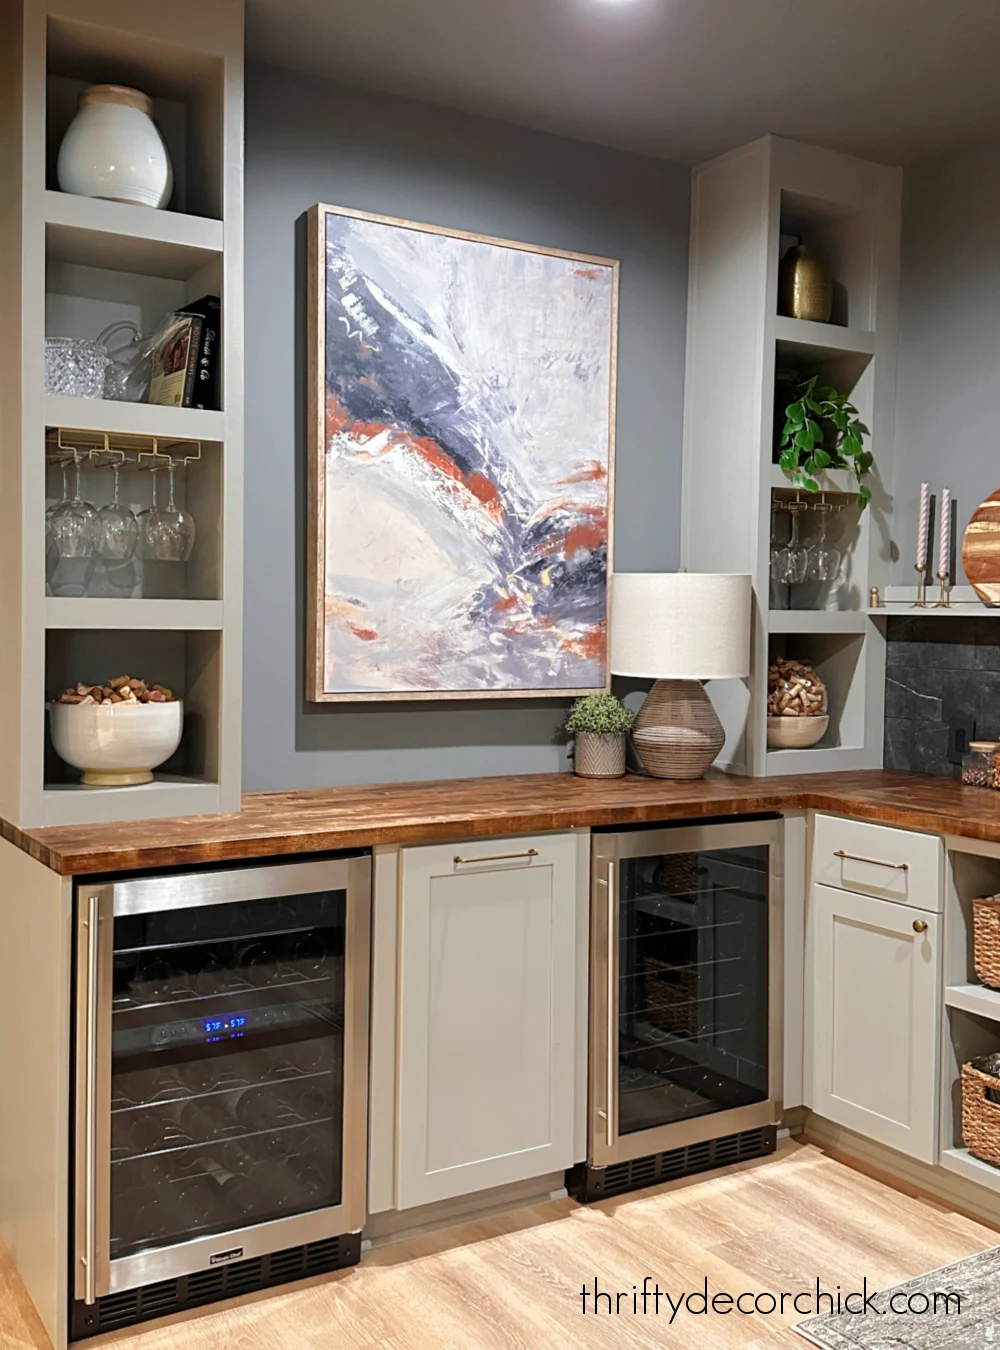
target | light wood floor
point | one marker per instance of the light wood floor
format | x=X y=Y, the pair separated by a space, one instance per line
x=513 y=1282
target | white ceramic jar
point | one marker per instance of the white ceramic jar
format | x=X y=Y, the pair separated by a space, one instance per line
x=114 y=150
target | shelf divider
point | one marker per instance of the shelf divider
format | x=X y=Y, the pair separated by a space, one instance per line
x=134 y=419
x=126 y=238
x=101 y=612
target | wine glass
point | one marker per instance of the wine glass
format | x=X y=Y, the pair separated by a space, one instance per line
x=778 y=597
x=119 y=527
x=823 y=559
x=167 y=533
x=73 y=525
x=791 y=561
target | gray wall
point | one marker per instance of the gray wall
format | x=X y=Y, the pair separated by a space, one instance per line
x=949 y=341
x=311 y=140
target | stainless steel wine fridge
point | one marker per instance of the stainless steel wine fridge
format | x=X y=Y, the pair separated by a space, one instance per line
x=685 y=1001
x=221 y=1086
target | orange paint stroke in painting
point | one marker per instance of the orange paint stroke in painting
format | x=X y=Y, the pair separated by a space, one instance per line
x=339 y=422
x=584 y=539
x=591 y=646
x=591 y=472
x=365 y=634
x=509 y=603
x=588 y=273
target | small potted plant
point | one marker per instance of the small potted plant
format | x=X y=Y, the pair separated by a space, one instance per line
x=598 y=724
x=821 y=430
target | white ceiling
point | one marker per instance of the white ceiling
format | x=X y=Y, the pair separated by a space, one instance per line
x=892 y=80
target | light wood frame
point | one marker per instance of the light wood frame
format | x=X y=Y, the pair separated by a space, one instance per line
x=316 y=500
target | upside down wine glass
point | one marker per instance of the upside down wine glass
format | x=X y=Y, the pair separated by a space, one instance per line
x=791 y=562
x=823 y=559
x=72 y=525
x=167 y=533
x=119 y=527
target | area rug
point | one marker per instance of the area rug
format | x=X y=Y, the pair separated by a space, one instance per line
x=954 y=1308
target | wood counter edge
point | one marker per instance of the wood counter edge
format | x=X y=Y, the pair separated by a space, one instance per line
x=476 y=808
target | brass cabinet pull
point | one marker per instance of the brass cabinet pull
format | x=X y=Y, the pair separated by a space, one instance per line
x=875 y=862
x=919 y=926
x=497 y=857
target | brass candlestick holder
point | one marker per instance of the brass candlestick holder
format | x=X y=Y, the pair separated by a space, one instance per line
x=921 y=600
x=944 y=600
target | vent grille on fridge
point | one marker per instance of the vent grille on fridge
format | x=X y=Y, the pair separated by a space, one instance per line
x=589 y=1183
x=206 y=1286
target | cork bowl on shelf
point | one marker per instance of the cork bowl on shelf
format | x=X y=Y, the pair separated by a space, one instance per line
x=116 y=744
x=795 y=733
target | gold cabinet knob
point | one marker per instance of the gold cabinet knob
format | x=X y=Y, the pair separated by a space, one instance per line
x=919 y=926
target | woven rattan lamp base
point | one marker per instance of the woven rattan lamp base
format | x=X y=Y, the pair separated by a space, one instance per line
x=677 y=733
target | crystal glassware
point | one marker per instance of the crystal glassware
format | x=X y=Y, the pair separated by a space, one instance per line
x=790 y=562
x=823 y=560
x=119 y=527
x=167 y=533
x=73 y=527
x=75 y=366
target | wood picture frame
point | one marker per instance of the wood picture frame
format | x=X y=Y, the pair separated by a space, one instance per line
x=586 y=266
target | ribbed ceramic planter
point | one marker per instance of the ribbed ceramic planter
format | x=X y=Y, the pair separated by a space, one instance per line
x=600 y=756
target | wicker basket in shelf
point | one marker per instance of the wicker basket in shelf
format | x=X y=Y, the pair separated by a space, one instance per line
x=671 y=996
x=981 y=1108
x=986 y=940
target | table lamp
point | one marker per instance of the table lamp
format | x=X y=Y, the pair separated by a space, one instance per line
x=679 y=628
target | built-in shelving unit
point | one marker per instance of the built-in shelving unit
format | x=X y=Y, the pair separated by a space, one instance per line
x=79 y=264
x=748 y=207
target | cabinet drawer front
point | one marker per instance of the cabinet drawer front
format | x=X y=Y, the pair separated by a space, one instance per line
x=876 y=1018
x=877 y=860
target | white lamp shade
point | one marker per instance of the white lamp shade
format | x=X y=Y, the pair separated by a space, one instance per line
x=680 y=625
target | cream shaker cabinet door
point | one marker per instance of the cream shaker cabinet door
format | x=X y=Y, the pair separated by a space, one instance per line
x=486 y=1015
x=876 y=1018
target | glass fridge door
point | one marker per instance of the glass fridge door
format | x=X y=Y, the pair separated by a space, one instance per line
x=227 y=1067
x=693 y=1016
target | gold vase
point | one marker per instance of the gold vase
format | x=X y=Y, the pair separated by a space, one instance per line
x=805 y=286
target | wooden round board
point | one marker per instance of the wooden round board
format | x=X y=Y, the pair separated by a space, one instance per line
x=981 y=550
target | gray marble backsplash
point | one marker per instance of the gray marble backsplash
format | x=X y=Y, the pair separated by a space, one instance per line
x=939 y=671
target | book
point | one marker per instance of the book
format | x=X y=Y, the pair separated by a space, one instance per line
x=185 y=361
x=174 y=362
x=206 y=390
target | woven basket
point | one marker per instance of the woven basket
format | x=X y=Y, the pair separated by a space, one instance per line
x=671 y=996
x=986 y=940
x=679 y=872
x=981 y=1108
x=597 y=756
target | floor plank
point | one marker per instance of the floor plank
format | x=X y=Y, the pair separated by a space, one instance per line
x=512 y=1281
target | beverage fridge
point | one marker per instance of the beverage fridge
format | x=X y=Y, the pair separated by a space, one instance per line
x=221 y=1084
x=685 y=1001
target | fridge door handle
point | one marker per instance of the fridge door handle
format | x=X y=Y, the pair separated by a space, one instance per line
x=93 y=1100
x=612 y=1012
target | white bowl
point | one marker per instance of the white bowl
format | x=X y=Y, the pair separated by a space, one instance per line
x=795 y=733
x=116 y=744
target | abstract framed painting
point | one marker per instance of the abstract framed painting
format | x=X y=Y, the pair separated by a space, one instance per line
x=462 y=416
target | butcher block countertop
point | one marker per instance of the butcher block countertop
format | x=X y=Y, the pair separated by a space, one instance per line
x=282 y=824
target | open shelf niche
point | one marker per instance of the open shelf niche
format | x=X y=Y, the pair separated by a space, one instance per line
x=78 y=265
x=971 y=1023
x=749 y=206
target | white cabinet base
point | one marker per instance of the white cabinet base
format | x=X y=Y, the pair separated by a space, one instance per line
x=487 y=1015
x=875 y=1018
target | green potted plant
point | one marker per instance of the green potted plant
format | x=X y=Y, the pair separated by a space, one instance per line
x=598 y=723
x=821 y=430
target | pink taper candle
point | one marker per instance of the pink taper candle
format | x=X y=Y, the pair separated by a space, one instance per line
x=925 y=520
x=944 y=538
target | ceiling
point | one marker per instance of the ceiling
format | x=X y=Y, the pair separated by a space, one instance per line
x=892 y=80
